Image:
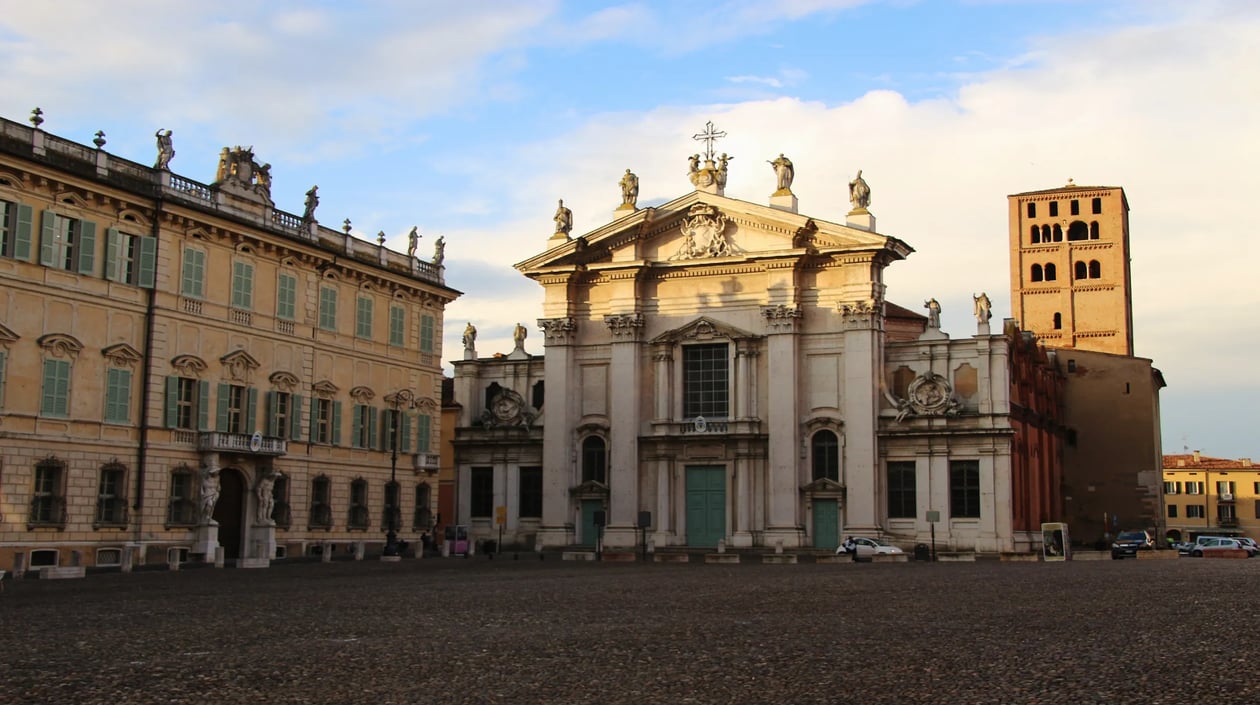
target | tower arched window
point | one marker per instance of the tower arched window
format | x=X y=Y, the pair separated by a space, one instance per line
x=1078 y=230
x=1051 y=273
x=1080 y=271
x=1093 y=230
x=1045 y=233
x=1058 y=321
x=1095 y=269
x=1035 y=234
x=1057 y=233
x=825 y=451
x=594 y=460
x=1036 y=273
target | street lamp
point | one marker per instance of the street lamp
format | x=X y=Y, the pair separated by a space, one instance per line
x=400 y=400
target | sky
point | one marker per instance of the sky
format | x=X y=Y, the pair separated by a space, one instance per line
x=470 y=119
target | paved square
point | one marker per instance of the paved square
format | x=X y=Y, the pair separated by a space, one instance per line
x=505 y=631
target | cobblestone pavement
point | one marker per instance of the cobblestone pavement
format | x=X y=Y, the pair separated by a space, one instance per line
x=528 y=631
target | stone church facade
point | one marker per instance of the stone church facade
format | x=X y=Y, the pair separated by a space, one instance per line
x=737 y=371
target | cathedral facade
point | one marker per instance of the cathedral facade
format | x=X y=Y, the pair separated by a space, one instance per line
x=725 y=373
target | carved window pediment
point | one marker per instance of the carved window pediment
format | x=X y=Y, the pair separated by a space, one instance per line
x=427 y=405
x=239 y=365
x=122 y=355
x=188 y=365
x=60 y=345
x=324 y=389
x=362 y=395
x=703 y=329
x=7 y=336
x=284 y=381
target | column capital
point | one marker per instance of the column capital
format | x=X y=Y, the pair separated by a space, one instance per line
x=625 y=327
x=559 y=331
x=781 y=318
x=861 y=315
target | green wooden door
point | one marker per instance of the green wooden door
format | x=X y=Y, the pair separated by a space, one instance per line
x=826 y=524
x=706 y=505
x=590 y=532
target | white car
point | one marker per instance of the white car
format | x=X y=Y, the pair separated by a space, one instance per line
x=1214 y=544
x=867 y=547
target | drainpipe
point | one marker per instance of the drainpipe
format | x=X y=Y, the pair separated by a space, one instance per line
x=150 y=317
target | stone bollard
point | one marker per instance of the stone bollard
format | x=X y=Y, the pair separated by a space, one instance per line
x=358 y=550
x=778 y=547
x=128 y=557
x=219 y=558
x=76 y=559
x=325 y=552
x=19 y=564
x=721 y=547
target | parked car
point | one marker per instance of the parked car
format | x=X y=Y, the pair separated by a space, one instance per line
x=1250 y=545
x=868 y=547
x=1128 y=543
x=1214 y=544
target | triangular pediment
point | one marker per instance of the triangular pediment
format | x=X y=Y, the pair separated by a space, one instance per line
x=122 y=354
x=702 y=227
x=7 y=335
x=823 y=487
x=703 y=329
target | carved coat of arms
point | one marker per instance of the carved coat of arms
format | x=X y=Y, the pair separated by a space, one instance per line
x=704 y=233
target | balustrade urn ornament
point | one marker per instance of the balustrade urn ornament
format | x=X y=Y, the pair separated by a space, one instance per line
x=100 y=139
x=37 y=118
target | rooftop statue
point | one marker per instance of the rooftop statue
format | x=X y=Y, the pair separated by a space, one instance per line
x=934 y=313
x=982 y=307
x=784 y=172
x=413 y=241
x=439 y=251
x=629 y=189
x=166 y=150
x=564 y=219
x=312 y=202
x=859 y=192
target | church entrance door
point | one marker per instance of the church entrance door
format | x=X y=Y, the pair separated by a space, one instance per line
x=590 y=532
x=706 y=505
x=826 y=524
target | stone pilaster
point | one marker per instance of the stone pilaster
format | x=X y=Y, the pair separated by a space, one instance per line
x=862 y=324
x=783 y=520
x=624 y=414
x=563 y=410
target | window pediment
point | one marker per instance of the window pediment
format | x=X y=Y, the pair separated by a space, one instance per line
x=239 y=365
x=284 y=381
x=590 y=489
x=60 y=344
x=362 y=395
x=189 y=365
x=7 y=336
x=325 y=389
x=823 y=487
x=122 y=355
x=703 y=329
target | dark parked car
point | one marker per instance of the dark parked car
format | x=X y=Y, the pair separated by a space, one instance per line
x=1128 y=543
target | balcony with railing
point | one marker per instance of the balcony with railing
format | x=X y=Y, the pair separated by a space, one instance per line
x=358 y=517
x=426 y=462
x=321 y=516
x=244 y=443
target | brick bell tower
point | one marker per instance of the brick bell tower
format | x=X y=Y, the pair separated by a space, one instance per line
x=1070 y=281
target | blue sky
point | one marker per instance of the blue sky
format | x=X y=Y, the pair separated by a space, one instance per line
x=470 y=119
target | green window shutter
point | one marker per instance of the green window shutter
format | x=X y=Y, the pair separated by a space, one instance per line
x=221 y=410
x=426 y=334
x=287 y=297
x=147 y=276
x=269 y=404
x=2 y=356
x=356 y=425
x=56 y=389
x=295 y=417
x=397 y=325
x=203 y=405
x=336 y=423
x=243 y=285
x=372 y=418
x=118 y=396
x=171 y=410
x=112 y=260
x=424 y=429
x=191 y=276
x=87 y=247
x=48 y=239
x=251 y=403
x=328 y=308
x=404 y=433
x=22 y=234
x=313 y=421
x=363 y=318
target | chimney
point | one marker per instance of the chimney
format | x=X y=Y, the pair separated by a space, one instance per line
x=1246 y=462
x=1181 y=462
x=1197 y=458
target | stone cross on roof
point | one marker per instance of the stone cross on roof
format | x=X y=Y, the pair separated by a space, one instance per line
x=709 y=136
